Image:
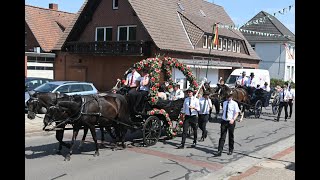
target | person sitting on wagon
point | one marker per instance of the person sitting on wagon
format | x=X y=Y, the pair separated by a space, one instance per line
x=133 y=82
x=251 y=84
x=266 y=87
x=143 y=89
x=242 y=80
x=177 y=93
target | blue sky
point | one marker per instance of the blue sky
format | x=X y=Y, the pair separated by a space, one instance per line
x=240 y=11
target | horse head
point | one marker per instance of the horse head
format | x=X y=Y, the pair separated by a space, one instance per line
x=224 y=91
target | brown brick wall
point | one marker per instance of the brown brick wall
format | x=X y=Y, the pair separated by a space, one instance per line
x=105 y=16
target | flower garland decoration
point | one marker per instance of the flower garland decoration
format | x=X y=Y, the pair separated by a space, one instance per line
x=169 y=129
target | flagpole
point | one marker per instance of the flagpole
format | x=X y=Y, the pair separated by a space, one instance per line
x=210 y=47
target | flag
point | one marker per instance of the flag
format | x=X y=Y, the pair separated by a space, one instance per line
x=215 y=31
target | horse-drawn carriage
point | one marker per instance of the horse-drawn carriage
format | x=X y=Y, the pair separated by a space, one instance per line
x=111 y=111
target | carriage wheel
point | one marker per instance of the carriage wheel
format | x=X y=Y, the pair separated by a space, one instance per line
x=151 y=131
x=257 y=109
x=275 y=106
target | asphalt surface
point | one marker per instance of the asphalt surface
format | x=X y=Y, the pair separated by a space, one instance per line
x=253 y=137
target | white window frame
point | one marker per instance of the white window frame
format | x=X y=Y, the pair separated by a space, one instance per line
x=104 y=32
x=234 y=46
x=229 y=46
x=113 y=4
x=225 y=45
x=220 y=42
x=118 y=32
x=238 y=46
x=205 y=41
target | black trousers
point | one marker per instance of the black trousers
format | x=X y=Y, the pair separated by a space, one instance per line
x=290 y=105
x=140 y=96
x=193 y=121
x=203 y=119
x=225 y=126
x=132 y=97
x=281 y=105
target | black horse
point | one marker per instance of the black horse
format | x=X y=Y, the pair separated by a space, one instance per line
x=111 y=109
x=38 y=101
x=214 y=97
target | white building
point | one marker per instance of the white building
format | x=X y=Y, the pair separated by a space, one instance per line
x=277 y=53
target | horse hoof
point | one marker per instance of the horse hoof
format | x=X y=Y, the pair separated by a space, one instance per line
x=67 y=158
x=96 y=154
x=58 y=152
x=124 y=146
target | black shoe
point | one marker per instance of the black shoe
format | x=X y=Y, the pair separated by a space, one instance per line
x=180 y=147
x=289 y=117
x=218 y=153
x=285 y=120
x=230 y=152
x=276 y=119
x=201 y=139
x=194 y=145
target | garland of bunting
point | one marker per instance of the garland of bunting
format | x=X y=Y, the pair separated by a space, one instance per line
x=165 y=64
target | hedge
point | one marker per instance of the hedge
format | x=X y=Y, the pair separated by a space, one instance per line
x=280 y=82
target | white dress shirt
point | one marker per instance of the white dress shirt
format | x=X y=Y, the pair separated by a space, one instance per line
x=291 y=94
x=174 y=95
x=146 y=87
x=242 y=80
x=205 y=105
x=194 y=103
x=136 y=77
x=284 y=95
x=266 y=88
x=233 y=108
x=252 y=82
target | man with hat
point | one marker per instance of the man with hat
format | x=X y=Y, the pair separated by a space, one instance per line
x=205 y=107
x=190 y=108
x=251 y=84
x=143 y=90
x=133 y=82
x=177 y=93
x=242 y=80
x=284 y=96
x=230 y=113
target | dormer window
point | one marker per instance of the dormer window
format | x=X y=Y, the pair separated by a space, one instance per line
x=115 y=4
x=205 y=41
x=225 y=43
x=238 y=46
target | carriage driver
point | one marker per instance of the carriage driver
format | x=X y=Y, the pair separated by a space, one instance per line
x=177 y=93
x=251 y=84
x=143 y=89
x=133 y=82
x=242 y=80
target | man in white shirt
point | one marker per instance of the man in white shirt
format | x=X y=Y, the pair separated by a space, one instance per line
x=205 y=107
x=242 y=80
x=291 y=96
x=284 y=99
x=230 y=113
x=251 y=84
x=177 y=93
x=266 y=87
x=133 y=82
x=190 y=107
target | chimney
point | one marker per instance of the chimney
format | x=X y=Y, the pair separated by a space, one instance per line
x=53 y=6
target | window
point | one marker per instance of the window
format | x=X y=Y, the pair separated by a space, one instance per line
x=104 y=34
x=253 y=46
x=115 y=4
x=230 y=45
x=76 y=88
x=288 y=73
x=238 y=46
x=63 y=89
x=205 y=41
x=213 y=46
x=127 y=33
x=234 y=46
x=224 y=46
x=220 y=44
x=87 y=87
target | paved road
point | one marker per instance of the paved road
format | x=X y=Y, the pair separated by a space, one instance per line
x=162 y=161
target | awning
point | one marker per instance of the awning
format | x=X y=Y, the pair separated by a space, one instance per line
x=209 y=67
x=213 y=64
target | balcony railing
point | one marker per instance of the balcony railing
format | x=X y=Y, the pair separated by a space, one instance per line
x=127 y=48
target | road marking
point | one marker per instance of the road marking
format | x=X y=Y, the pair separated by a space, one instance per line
x=158 y=174
x=211 y=166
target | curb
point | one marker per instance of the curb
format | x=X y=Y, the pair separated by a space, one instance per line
x=246 y=163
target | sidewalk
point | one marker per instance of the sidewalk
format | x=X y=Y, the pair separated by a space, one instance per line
x=280 y=166
x=34 y=125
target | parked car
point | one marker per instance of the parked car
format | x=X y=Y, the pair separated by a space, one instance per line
x=67 y=87
x=33 y=82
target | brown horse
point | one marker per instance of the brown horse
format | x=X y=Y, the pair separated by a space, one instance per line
x=213 y=97
x=89 y=110
x=38 y=101
x=240 y=95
